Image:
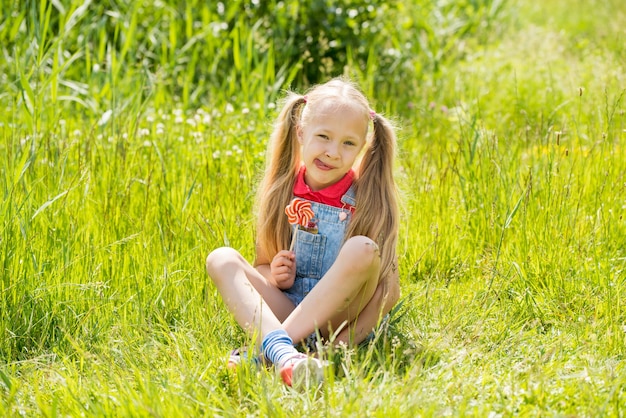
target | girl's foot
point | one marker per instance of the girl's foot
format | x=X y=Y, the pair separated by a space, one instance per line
x=302 y=371
x=244 y=354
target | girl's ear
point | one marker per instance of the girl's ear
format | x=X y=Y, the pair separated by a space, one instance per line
x=299 y=132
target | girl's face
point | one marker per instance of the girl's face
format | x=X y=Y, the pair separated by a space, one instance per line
x=331 y=141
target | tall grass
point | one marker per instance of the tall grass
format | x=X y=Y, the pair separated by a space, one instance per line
x=127 y=154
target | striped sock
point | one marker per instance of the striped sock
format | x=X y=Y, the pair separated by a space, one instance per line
x=278 y=347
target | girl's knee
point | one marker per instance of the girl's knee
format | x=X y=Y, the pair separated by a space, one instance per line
x=363 y=250
x=219 y=258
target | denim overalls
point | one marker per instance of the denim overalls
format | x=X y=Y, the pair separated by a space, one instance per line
x=316 y=252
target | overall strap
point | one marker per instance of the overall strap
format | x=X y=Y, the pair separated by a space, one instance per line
x=349 y=198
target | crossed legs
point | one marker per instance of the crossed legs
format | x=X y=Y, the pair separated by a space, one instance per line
x=348 y=291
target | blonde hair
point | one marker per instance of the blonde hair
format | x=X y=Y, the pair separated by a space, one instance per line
x=376 y=214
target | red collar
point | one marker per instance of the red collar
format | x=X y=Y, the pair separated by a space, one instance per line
x=330 y=195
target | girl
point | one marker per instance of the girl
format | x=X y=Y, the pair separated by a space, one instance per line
x=341 y=277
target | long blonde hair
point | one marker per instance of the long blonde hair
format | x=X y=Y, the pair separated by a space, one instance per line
x=376 y=214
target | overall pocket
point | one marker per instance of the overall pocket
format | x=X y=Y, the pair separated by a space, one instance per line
x=309 y=250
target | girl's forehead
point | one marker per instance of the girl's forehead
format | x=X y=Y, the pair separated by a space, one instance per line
x=345 y=118
x=327 y=108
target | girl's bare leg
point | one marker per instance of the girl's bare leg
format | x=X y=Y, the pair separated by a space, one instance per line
x=258 y=306
x=342 y=294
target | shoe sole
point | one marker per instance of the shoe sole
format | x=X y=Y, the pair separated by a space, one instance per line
x=309 y=373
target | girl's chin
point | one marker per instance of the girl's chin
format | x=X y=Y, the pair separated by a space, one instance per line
x=319 y=184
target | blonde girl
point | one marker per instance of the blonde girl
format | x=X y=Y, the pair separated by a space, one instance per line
x=341 y=277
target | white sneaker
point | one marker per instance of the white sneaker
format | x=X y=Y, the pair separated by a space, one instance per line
x=303 y=371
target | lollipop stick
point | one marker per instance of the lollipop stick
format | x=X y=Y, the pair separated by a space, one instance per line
x=293 y=237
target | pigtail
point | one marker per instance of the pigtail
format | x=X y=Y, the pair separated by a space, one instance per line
x=276 y=188
x=377 y=210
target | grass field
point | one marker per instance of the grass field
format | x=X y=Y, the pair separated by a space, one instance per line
x=117 y=180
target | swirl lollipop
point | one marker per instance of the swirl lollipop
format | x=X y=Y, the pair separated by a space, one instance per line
x=298 y=212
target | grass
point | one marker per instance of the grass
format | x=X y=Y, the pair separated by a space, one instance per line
x=513 y=238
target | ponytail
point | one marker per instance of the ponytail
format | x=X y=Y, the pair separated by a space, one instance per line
x=377 y=212
x=276 y=189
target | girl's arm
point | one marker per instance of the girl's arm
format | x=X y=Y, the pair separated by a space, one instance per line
x=384 y=299
x=265 y=271
x=262 y=264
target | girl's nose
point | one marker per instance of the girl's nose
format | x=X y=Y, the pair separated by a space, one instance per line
x=331 y=151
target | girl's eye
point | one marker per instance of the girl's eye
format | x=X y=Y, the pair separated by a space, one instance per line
x=350 y=143
x=322 y=136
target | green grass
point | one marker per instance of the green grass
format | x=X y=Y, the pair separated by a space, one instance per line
x=116 y=185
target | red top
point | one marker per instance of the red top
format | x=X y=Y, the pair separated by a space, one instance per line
x=330 y=195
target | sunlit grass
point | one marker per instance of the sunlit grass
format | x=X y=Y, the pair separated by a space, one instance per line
x=512 y=251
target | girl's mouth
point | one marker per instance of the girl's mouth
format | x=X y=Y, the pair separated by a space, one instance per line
x=321 y=165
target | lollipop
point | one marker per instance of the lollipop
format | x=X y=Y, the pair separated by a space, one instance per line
x=298 y=212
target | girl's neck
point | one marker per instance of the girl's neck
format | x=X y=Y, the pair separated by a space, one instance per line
x=330 y=195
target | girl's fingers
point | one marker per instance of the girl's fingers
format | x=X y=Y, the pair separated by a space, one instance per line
x=283 y=271
x=284 y=261
x=283 y=266
x=289 y=255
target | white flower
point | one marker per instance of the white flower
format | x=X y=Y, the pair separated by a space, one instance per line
x=105 y=117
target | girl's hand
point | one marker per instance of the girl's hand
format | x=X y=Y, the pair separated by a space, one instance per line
x=283 y=269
